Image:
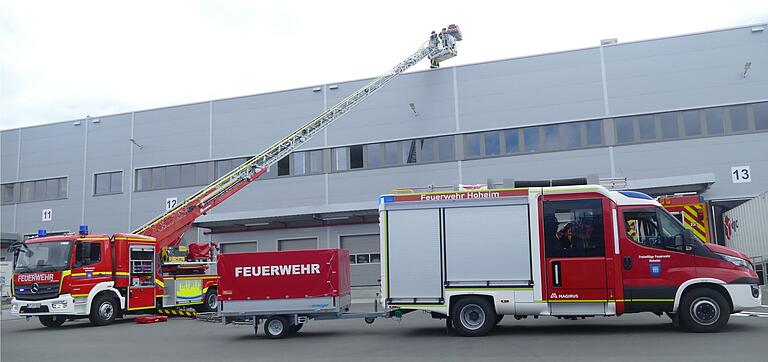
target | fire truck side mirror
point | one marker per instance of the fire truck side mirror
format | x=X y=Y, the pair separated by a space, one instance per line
x=688 y=239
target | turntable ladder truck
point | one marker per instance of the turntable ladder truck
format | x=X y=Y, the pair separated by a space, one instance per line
x=102 y=277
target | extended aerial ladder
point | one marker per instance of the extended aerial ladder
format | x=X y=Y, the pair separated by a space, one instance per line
x=169 y=226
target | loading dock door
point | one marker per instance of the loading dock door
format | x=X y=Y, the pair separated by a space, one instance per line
x=415 y=261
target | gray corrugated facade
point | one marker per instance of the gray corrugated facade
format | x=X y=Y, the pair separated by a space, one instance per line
x=703 y=74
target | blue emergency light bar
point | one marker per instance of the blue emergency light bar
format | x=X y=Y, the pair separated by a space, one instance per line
x=41 y=233
x=83 y=230
x=386 y=199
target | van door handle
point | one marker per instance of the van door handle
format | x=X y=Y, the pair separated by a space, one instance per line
x=627 y=263
x=557 y=280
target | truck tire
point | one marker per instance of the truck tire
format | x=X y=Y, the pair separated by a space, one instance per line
x=276 y=327
x=703 y=310
x=473 y=317
x=210 y=302
x=499 y=318
x=52 y=321
x=103 y=310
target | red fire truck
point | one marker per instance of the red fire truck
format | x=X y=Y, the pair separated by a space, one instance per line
x=691 y=210
x=472 y=257
x=103 y=277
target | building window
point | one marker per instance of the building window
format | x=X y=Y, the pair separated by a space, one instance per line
x=668 y=122
x=37 y=190
x=356 y=157
x=472 y=145
x=299 y=166
x=647 y=127
x=571 y=133
x=184 y=175
x=625 y=130
x=316 y=161
x=551 y=137
x=427 y=150
x=108 y=183
x=365 y=258
x=760 y=111
x=511 y=141
x=392 y=153
x=691 y=123
x=409 y=151
x=715 y=121
x=445 y=149
x=739 y=122
x=284 y=166
x=594 y=132
x=374 y=155
x=341 y=156
x=9 y=194
x=491 y=141
x=531 y=139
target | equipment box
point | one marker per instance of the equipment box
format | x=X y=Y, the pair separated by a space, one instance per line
x=266 y=283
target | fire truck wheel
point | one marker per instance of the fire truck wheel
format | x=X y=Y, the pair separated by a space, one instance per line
x=210 y=302
x=103 y=310
x=276 y=327
x=703 y=310
x=52 y=320
x=473 y=317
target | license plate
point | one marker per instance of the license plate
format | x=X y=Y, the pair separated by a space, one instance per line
x=33 y=306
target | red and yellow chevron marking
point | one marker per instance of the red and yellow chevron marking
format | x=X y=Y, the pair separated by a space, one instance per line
x=632 y=229
x=691 y=220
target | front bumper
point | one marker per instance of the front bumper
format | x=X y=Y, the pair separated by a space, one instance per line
x=744 y=296
x=65 y=304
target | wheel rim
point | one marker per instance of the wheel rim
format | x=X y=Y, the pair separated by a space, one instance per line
x=275 y=327
x=212 y=301
x=472 y=316
x=705 y=311
x=106 y=310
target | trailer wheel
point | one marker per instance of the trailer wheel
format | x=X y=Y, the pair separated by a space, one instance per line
x=210 y=302
x=370 y=320
x=103 y=310
x=703 y=310
x=52 y=321
x=473 y=317
x=276 y=327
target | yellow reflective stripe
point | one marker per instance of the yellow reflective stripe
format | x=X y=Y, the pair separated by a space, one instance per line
x=200 y=277
x=61 y=281
x=122 y=273
x=149 y=240
x=160 y=283
x=139 y=308
x=79 y=295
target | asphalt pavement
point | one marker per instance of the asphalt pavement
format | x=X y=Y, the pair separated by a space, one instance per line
x=417 y=337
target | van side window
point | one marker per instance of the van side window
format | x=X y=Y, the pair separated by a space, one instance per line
x=574 y=228
x=654 y=229
x=87 y=253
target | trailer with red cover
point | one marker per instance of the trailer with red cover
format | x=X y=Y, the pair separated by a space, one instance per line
x=285 y=289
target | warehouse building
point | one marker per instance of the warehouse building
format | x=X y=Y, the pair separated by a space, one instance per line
x=685 y=113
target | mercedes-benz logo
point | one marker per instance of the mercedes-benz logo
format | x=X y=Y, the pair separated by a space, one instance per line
x=35 y=288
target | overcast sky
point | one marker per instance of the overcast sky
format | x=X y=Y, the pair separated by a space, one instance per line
x=63 y=60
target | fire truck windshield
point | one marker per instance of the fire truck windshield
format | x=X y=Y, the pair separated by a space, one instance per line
x=46 y=256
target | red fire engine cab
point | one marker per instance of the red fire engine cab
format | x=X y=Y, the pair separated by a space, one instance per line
x=103 y=277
